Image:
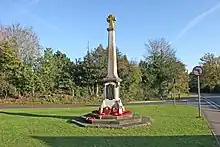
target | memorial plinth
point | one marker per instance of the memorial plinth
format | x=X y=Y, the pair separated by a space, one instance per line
x=111 y=113
x=110 y=121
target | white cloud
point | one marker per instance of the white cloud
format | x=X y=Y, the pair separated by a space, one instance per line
x=196 y=20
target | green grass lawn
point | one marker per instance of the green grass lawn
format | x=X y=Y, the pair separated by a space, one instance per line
x=172 y=127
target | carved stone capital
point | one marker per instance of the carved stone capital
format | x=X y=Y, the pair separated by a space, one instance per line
x=110 y=29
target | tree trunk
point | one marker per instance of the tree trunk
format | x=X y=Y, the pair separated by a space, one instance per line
x=33 y=91
x=97 y=89
x=90 y=90
x=5 y=94
x=73 y=92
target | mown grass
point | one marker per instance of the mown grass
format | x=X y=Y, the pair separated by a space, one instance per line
x=171 y=127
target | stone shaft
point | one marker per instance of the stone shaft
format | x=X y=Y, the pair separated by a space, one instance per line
x=112 y=57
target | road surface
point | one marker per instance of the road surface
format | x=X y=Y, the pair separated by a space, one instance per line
x=211 y=110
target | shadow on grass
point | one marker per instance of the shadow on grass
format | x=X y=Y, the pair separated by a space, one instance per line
x=128 y=141
x=68 y=118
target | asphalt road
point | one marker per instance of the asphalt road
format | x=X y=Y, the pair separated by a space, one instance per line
x=214 y=101
x=211 y=111
x=211 y=101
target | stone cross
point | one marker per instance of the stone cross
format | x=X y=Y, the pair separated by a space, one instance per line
x=111 y=20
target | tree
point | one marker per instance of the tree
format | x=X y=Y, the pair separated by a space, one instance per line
x=9 y=70
x=159 y=65
x=210 y=79
x=123 y=73
x=47 y=71
x=64 y=81
x=99 y=58
x=23 y=40
x=181 y=79
x=25 y=45
x=147 y=80
x=134 y=80
x=211 y=70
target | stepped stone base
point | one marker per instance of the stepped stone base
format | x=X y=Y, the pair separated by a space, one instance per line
x=109 y=121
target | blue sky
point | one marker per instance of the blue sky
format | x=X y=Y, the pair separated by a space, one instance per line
x=193 y=26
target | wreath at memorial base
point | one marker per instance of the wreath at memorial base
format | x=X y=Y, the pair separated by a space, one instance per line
x=107 y=110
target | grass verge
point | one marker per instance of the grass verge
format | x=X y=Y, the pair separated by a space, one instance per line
x=172 y=127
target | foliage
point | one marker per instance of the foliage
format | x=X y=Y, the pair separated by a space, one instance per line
x=210 y=80
x=23 y=40
x=27 y=71
x=161 y=68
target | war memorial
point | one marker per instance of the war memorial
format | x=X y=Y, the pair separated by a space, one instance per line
x=112 y=112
